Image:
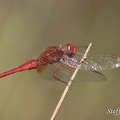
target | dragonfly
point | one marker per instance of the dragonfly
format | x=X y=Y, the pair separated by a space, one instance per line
x=60 y=62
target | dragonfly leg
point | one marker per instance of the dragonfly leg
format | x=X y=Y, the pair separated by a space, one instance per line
x=55 y=74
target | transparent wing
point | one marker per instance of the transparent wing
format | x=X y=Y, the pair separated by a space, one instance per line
x=88 y=70
x=64 y=73
x=98 y=62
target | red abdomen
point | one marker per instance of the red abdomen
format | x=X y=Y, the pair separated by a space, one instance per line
x=32 y=64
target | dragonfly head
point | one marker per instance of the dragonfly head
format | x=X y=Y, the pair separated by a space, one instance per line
x=71 y=50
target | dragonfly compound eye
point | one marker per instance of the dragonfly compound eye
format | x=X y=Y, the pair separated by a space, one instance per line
x=71 y=50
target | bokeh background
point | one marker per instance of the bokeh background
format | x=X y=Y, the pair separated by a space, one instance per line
x=27 y=27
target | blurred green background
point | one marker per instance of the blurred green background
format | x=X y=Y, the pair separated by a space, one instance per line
x=27 y=27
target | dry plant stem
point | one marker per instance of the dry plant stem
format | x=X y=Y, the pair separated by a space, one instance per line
x=69 y=83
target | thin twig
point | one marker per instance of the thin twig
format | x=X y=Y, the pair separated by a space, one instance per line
x=69 y=83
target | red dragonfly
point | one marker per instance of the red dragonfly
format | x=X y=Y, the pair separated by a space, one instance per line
x=61 y=62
